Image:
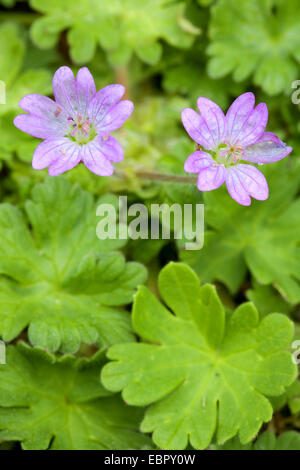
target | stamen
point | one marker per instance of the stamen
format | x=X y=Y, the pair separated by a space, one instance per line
x=229 y=155
x=81 y=128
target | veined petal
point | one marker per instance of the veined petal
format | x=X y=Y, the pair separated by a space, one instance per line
x=244 y=181
x=64 y=89
x=197 y=129
x=115 y=117
x=197 y=161
x=211 y=178
x=270 y=137
x=67 y=160
x=254 y=181
x=45 y=110
x=238 y=114
x=42 y=106
x=49 y=151
x=95 y=160
x=103 y=101
x=213 y=117
x=236 y=189
x=254 y=126
x=85 y=89
x=38 y=127
x=266 y=152
x=111 y=148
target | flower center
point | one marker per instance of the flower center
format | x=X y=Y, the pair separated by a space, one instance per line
x=81 y=129
x=228 y=154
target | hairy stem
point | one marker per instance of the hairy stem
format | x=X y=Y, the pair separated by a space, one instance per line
x=146 y=175
x=155 y=176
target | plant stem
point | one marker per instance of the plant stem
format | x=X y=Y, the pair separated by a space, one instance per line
x=155 y=176
x=122 y=78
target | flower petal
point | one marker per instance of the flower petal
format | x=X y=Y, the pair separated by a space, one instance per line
x=115 y=117
x=236 y=189
x=64 y=89
x=254 y=126
x=67 y=160
x=95 y=160
x=197 y=161
x=270 y=137
x=49 y=151
x=237 y=115
x=213 y=117
x=245 y=180
x=266 y=152
x=103 y=101
x=211 y=178
x=37 y=127
x=85 y=89
x=111 y=148
x=47 y=117
x=197 y=129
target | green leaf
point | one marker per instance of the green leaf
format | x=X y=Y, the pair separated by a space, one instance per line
x=199 y=381
x=60 y=404
x=268 y=300
x=191 y=79
x=205 y=3
x=289 y=440
x=11 y=46
x=14 y=141
x=61 y=280
x=30 y=81
x=83 y=44
x=17 y=82
x=149 y=53
x=255 y=37
x=181 y=291
x=263 y=237
x=185 y=73
x=291 y=397
x=135 y=25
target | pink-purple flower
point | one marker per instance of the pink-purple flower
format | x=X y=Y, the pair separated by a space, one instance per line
x=76 y=126
x=225 y=142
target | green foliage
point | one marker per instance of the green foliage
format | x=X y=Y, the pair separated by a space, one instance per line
x=62 y=281
x=268 y=300
x=264 y=237
x=256 y=37
x=197 y=359
x=185 y=73
x=289 y=440
x=18 y=83
x=182 y=79
x=46 y=402
x=120 y=27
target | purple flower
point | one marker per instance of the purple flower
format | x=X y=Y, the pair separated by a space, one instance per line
x=77 y=125
x=225 y=142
